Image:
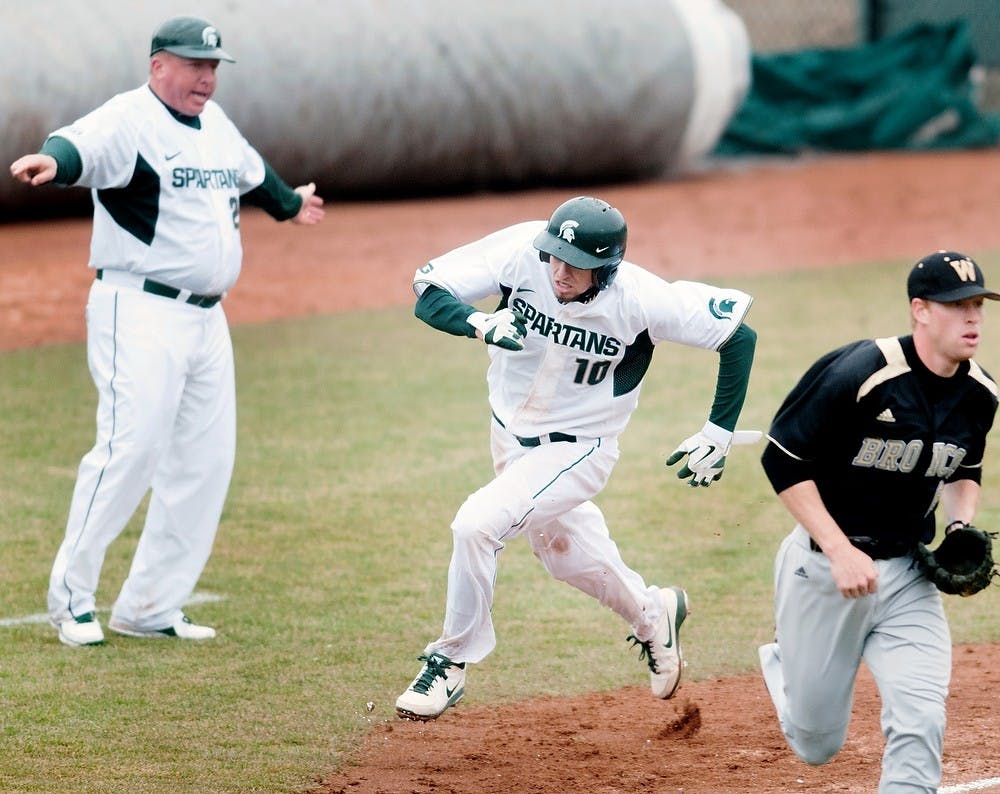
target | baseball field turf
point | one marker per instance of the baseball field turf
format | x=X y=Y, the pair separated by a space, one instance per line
x=359 y=436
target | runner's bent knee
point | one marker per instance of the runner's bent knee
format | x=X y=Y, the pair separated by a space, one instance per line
x=487 y=513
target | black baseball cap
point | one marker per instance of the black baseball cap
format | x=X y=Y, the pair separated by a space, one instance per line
x=946 y=277
x=190 y=37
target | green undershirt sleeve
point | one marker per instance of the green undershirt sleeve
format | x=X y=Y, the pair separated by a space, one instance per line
x=735 y=361
x=274 y=196
x=69 y=166
x=441 y=310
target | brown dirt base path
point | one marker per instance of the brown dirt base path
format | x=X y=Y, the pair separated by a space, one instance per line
x=714 y=737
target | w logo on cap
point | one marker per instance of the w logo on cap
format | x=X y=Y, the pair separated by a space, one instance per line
x=965 y=269
x=947 y=277
x=210 y=37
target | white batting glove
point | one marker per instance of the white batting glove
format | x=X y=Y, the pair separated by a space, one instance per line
x=706 y=455
x=504 y=328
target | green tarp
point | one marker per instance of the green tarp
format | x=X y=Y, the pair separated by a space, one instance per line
x=910 y=91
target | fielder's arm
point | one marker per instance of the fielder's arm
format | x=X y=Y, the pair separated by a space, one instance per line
x=791 y=477
x=959 y=500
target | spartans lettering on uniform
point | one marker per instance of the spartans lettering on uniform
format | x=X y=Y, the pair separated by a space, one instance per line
x=206 y=178
x=897 y=455
x=564 y=376
x=567 y=335
x=158 y=341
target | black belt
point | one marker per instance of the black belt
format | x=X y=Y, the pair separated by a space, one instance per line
x=535 y=441
x=873 y=547
x=166 y=291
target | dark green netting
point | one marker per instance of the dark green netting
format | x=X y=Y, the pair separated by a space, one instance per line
x=912 y=90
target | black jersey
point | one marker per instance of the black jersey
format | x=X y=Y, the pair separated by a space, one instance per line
x=880 y=434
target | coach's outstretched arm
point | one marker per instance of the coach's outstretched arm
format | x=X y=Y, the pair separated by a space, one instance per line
x=300 y=205
x=58 y=161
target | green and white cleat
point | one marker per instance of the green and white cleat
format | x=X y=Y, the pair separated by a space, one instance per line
x=440 y=685
x=662 y=651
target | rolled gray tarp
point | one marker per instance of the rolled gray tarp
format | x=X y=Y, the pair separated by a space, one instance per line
x=389 y=97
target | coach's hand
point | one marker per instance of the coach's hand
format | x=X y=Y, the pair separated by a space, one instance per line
x=311 y=212
x=34 y=169
x=504 y=328
x=706 y=455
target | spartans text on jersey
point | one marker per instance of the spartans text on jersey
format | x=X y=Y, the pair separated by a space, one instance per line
x=206 y=178
x=569 y=335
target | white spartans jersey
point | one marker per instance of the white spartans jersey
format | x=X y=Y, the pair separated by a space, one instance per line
x=582 y=363
x=166 y=195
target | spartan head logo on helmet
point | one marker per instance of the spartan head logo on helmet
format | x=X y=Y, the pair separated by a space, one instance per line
x=566 y=230
x=210 y=37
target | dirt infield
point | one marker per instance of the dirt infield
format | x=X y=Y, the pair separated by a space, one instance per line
x=715 y=737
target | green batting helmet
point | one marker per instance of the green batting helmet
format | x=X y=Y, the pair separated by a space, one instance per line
x=189 y=37
x=587 y=233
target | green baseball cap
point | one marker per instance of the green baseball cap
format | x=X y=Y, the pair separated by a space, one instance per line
x=190 y=37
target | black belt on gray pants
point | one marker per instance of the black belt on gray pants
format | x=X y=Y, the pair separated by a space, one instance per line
x=166 y=291
x=875 y=548
x=535 y=441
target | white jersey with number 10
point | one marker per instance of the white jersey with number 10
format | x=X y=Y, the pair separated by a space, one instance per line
x=582 y=364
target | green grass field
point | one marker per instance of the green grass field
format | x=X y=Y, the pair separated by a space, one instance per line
x=359 y=436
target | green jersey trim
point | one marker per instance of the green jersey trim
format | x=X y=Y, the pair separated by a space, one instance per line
x=135 y=207
x=69 y=164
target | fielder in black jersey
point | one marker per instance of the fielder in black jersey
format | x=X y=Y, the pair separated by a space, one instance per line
x=871 y=440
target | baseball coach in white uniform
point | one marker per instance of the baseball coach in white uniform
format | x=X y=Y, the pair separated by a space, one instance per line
x=168 y=172
x=569 y=344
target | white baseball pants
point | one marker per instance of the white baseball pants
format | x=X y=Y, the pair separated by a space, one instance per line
x=543 y=492
x=166 y=420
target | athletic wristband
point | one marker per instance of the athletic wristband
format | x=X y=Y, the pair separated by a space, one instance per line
x=717 y=434
x=956 y=524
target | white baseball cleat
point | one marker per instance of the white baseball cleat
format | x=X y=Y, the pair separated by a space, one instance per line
x=81 y=630
x=662 y=651
x=439 y=685
x=182 y=628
